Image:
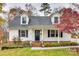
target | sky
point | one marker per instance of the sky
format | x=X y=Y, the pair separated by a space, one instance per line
x=37 y=5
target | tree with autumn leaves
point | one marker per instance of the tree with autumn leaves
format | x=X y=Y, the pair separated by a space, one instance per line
x=69 y=21
x=2 y=22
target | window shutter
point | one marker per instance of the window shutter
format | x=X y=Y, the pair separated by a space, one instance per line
x=56 y=33
x=61 y=34
x=48 y=33
x=19 y=33
x=26 y=33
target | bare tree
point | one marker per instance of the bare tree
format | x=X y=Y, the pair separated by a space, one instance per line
x=30 y=9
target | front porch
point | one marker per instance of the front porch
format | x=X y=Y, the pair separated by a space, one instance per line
x=48 y=33
x=39 y=34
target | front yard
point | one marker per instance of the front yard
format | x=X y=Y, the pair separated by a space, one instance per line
x=24 y=49
x=29 y=52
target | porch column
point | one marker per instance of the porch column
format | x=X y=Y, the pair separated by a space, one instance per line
x=42 y=38
x=31 y=36
x=58 y=36
x=42 y=34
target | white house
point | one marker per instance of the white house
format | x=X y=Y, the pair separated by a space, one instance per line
x=37 y=28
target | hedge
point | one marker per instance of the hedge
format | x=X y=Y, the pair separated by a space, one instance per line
x=55 y=44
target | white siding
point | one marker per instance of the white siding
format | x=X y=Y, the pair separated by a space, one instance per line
x=31 y=35
x=12 y=34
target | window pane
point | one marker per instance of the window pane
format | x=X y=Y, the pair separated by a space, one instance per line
x=55 y=19
x=48 y=33
x=52 y=33
x=23 y=19
x=56 y=33
x=26 y=33
x=22 y=33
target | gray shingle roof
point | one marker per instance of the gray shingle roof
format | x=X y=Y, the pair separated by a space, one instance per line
x=39 y=20
x=33 y=20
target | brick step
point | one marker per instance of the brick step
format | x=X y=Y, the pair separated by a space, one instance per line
x=36 y=44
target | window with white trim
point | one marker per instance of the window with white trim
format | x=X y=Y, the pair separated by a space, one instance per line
x=54 y=33
x=23 y=33
x=55 y=19
x=23 y=20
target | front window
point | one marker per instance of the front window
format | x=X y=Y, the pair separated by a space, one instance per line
x=23 y=33
x=54 y=33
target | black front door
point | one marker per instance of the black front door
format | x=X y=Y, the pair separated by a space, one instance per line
x=37 y=35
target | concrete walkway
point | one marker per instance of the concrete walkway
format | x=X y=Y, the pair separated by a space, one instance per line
x=45 y=48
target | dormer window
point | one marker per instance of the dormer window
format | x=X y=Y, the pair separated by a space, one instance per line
x=55 y=19
x=24 y=20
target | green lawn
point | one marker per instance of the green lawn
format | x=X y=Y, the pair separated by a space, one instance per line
x=29 y=52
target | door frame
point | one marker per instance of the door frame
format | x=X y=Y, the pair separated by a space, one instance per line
x=37 y=35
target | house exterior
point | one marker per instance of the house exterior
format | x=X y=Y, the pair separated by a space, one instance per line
x=36 y=28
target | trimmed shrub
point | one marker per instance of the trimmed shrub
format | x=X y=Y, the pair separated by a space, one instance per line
x=55 y=44
x=26 y=44
x=20 y=45
x=51 y=44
